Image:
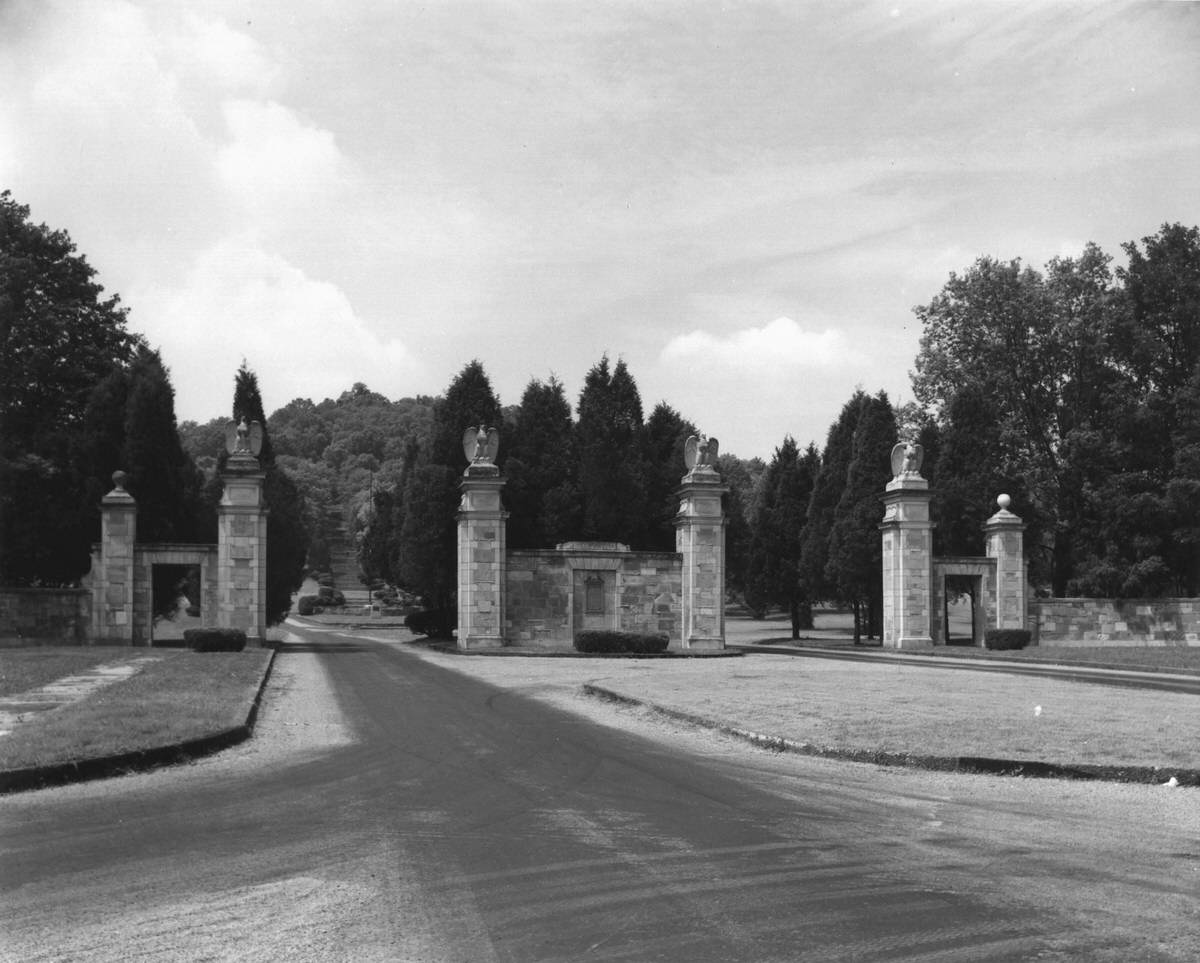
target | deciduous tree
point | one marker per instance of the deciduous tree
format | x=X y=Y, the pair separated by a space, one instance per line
x=59 y=338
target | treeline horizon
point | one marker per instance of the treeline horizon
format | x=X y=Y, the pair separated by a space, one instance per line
x=1075 y=389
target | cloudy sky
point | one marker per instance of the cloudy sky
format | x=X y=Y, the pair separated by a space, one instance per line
x=742 y=200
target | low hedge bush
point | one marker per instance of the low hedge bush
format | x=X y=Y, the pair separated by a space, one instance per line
x=307 y=605
x=1004 y=639
x=638 y=643
x=434 y=623
x=214 y=640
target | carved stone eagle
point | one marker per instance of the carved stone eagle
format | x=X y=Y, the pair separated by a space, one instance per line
x=700 y=451
x=906 y=459
x=481 y=445
x=243 y=439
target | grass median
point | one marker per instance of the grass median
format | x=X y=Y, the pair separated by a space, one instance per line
x=25 y=669
x=897 y=709
x=183 y=697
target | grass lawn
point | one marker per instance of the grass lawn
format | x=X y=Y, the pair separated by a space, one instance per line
x=186 y=695
x=31 y=668
x=901 y=708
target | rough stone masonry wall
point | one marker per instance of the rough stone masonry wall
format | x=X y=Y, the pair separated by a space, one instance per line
x=539 y=597
x=42 y=616
x=648 y=594
x=1116 y=621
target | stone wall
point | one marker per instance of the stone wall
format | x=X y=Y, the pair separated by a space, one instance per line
x=547 y=597
x=42 y=616
x=1115 y=622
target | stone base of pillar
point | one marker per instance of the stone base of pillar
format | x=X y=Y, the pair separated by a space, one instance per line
x=474 y=642
x=704 y=644
x=913 y=642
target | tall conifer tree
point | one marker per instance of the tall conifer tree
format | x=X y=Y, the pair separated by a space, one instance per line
x=610 y=465
x=822 y=508
x=854 y=566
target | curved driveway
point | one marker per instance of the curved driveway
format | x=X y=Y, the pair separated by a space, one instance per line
x=446 y=819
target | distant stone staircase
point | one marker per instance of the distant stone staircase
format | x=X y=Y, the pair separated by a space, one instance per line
x=343 y=564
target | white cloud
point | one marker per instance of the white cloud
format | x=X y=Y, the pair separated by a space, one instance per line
x=778 y=345
x=299 y=334
x=274 y=163
x=752 y=386
x=212 y=53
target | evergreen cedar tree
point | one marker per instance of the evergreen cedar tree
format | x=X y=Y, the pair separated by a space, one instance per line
x=611 y=468
x=424 y=524
x=854 y=563
x=773 y=576
x=540 y=490
x=287 y=533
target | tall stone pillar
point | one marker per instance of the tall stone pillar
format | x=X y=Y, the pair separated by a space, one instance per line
x=482 y=545
x=1004 y=535
x=112 y=578
x=242 y=547
x=907 y=533
x=700 y=539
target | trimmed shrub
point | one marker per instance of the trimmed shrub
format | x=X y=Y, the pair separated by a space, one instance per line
x=307 y=605
x=636 y=643
x=214 y=640
x=434 y=623
x=1005 y=639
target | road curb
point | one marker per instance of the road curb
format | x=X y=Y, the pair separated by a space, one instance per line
x=979 y=765
x=935 y=657
x=141 y=760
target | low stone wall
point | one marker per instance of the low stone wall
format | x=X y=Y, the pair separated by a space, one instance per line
x=43 y=616
x=1115 y=621
x=546 y=593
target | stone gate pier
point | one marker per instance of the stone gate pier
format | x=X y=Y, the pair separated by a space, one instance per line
x=546 y=596
x=233 y=573
x=914 y=582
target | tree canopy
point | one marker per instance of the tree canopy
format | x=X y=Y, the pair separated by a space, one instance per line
x=1080 y=385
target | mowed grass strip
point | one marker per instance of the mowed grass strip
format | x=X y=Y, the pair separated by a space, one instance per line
x=185 y=696
x=31 y=668
x=926 y=711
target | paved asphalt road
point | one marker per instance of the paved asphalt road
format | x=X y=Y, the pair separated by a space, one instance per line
x=468 y=823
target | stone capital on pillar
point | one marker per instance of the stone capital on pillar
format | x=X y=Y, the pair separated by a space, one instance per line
x=482 y=556
x=907 y=534
x=700 y=540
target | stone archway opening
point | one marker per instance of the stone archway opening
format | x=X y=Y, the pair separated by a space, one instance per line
x=963 y=610
x=176 y=602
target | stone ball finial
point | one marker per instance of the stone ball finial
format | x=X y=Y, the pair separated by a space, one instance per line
x=1003 y=501
x=119 y=478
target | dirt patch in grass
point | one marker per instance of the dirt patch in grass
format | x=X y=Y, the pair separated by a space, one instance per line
x=31 y=668
x=185 y=696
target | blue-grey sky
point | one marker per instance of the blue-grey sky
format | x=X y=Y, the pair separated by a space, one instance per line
x=742 y=200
